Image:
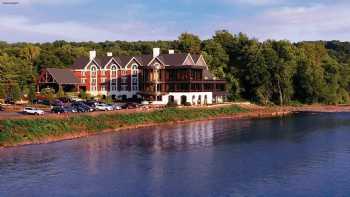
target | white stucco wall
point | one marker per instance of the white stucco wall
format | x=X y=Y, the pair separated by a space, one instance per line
x=191 y=97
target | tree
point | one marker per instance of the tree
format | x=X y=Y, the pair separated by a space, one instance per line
x=83 y=94
x=216 y=57
x=189 y=43
x=2 y=91
x=31 y=93
x=60 y=93
x=49 y=93
x=14 y=91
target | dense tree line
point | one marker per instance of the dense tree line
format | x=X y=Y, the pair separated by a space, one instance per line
x=269 y=72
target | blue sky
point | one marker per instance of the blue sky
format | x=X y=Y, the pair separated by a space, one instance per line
x=100 y=20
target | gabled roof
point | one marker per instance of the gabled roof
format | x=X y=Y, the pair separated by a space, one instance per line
x=168 y=59
x=173 y=59
x=102 y=60
x=80 y=63
x=195 y=57
x=144 y=59
x=63 y=76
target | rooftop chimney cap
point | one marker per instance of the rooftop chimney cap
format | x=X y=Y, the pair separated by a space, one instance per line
x=109 y=54
x=156 y=52
x=92 y=55
x=171 y=51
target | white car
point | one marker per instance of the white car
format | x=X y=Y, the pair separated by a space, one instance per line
x=104 y=107
x=33 y=111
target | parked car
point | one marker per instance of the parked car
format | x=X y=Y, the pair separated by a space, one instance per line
x=33 y=111
x=9 y=100
x=81 y=104
x=2 y=108
x=61 y=109
x=57 y=103
x=81 y=109
x=70 y=109
x=129 y=106
x=57 y=110
x=104 y=107
x=115 y=106
x=91 y=103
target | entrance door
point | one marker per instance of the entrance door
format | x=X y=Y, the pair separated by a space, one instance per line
x=183 y=100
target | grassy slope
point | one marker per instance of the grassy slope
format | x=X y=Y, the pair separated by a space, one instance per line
x=14 y=132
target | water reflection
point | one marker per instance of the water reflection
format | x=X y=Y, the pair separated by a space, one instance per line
x=292 y=155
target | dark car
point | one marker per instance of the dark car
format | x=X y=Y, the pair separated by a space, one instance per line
x=57 y=110
x=130 y=106
x=57 y=103
x=82 y=107
x=9 y=100
x=91 y=103
x=70 y=109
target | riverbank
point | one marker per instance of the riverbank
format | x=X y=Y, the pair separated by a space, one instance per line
x=37 y=130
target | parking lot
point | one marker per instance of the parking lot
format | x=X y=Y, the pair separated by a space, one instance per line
x=71 y=109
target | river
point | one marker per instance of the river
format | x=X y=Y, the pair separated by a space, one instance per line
x=301 y=155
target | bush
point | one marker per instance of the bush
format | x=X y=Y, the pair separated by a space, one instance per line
x=188 y=104
x=172 y=104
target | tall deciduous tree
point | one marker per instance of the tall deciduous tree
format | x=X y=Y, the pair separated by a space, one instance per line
x=189 y=43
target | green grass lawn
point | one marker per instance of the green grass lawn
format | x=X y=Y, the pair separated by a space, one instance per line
x=14 y=132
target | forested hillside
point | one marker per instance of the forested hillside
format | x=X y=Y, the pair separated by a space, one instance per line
x=268 y=72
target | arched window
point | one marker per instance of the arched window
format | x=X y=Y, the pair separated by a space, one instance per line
x=114 y=75
x=113 y=71
x=93 y=78
x=134 y=79
x=134 y=69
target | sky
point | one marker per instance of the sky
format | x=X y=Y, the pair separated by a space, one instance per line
x=131 y=20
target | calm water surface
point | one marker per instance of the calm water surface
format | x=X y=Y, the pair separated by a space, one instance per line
x=304 y=155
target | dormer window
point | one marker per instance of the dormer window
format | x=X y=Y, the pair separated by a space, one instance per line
x=134 y=69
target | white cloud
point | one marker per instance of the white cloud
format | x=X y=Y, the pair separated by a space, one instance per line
x=20 y=28
x=46 y=2
x=256 y=2
x=315 y=22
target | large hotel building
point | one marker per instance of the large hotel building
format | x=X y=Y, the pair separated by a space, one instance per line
x=158 y=78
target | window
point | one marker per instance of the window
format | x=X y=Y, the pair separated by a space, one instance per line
x=124 y=87
x=134 y=80
x=123 y=72
x=113 y=71
x=103 y=88
x=124 y=79
x=93 y=71
x=135 y=87
x=93 y=78
x=134 y=69
x=113 y=84
x=83 y=73
x=103 y=80
x=83 y=80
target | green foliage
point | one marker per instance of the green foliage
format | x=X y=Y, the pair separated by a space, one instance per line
x=82 y=94
x=270 y=72
x=17 y=131
x=109 y=100
x=14 y=92
x=189 y=43
x=48 y=93
x=31 y=93
x=60 y=93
